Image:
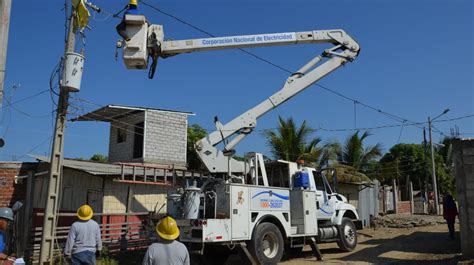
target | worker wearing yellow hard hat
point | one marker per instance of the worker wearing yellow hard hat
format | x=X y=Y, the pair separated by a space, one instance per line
x=167 y=250
x=132 y=8
x=84 y=238
x=85 y=212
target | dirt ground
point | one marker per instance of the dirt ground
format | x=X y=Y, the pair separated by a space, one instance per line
x=418 y=245
x=387 y=245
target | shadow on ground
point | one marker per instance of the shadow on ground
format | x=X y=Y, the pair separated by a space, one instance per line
x=419 y=247
x=415 y=248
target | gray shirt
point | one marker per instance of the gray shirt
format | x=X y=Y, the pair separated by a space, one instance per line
x=166 y=253
x=83 y=236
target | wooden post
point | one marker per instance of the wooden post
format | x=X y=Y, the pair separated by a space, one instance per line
x=134 y=174
x=395 y=196
x=412 y=203
x=28 y=209
x=128 y=210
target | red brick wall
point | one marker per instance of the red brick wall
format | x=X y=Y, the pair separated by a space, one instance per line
x=9 y=191
x=404 y=207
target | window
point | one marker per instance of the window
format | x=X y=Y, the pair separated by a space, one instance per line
x=121 y=135
x=318 y=179
x=138 y=140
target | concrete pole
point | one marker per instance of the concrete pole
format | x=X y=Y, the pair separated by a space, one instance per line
x=433 y=174
x=5 y=8
x=395 y=196
x=412 y=203
x=55 y=171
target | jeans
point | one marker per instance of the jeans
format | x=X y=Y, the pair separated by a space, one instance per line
x=451 y=227
x=83 y=258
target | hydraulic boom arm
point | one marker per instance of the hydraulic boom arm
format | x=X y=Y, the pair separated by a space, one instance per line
x=144 y=40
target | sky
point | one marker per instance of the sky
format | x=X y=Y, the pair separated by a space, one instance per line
x=416 y=60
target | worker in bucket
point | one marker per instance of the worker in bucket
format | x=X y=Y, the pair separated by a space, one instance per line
x=167 y=251
x=84 y=238
x=6 y=215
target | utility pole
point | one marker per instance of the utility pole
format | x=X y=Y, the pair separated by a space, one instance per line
x=55 y=170
x=5 y=8
x=433 y=175
x=433 y=169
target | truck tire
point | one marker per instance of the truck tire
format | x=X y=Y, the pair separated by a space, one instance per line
x=347 y=235
x=266 y=244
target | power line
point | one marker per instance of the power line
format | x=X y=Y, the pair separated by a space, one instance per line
x=266 y=129
x=26 y=98
x=378 y=110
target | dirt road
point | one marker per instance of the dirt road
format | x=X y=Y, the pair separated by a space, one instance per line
x=419 y=245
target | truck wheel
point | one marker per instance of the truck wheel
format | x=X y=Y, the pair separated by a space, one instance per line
x=347 y=235
x=266 y=244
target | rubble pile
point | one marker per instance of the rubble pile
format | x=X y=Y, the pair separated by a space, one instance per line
x=405 y=221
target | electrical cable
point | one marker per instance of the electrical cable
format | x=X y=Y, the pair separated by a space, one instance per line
x=401 y=130
x=378 y=110
x=270 y=129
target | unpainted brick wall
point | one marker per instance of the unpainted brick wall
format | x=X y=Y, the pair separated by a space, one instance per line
x=9 y=191
x=404 y=207
x=123 y=152
x=166 y=134
x=463 y=153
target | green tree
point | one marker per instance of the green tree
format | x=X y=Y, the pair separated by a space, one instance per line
x=195 y=133
x=291 y=142
x=445 y=167
x=99 y=158
x=404 y=160
x=354 y=154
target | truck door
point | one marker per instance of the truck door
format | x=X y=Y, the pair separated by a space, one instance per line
x=323 y=193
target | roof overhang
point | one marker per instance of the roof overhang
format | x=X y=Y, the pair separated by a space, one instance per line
x=110 y=113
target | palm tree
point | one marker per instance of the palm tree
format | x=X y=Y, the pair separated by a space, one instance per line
x=353 y=153
x=290 y=142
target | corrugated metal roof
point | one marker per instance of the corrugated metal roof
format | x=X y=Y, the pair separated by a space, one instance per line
x=94 y=168
x=112 y=112
x=107 y=169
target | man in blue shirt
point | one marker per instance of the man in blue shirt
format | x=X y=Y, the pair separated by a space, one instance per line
x=6 y=215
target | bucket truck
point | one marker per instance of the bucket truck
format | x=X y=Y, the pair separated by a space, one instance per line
x=267 y=208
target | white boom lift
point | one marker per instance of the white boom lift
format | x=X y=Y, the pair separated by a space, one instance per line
x=266 y=206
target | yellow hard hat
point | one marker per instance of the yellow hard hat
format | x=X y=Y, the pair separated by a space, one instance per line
x=167 y=228
x=85 y=212
x=133 y=2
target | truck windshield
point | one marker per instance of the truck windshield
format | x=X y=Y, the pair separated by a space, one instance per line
x=321 y=182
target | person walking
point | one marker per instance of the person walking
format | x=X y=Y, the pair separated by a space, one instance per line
x=450 y=210
x=6 y=215
x=84 y=238
x=167 y=251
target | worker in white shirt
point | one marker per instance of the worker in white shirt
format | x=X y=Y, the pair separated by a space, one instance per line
x=167 y=251
x=84 y=238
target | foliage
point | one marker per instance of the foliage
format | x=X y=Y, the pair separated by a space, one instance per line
x=348 y=174
x=99 y=158
x=354 y=154
x=445 y=167
x=195 y=133
x=291 y=142
x=404 y=160
x=414 y=160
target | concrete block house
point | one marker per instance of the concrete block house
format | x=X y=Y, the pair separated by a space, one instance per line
x=144 y=135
